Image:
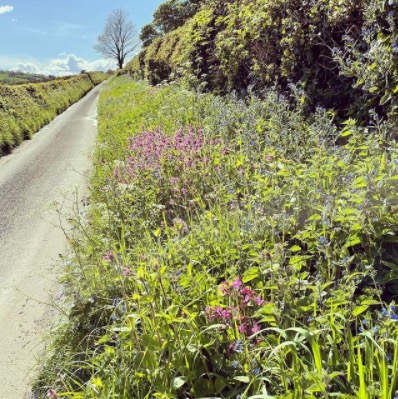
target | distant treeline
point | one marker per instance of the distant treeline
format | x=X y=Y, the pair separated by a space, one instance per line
x=16 y=77
x=339 y=54
x=25 y=108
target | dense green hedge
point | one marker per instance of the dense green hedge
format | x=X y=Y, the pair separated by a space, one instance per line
x=24 y=109
x=339 y=54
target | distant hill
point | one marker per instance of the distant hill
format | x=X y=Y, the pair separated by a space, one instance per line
x=11 y=77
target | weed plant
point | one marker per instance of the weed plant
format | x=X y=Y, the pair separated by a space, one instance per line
x=231 y=249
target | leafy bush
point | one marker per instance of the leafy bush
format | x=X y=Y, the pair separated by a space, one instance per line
x=24 y=109
x=231 y=249
x=339 y=54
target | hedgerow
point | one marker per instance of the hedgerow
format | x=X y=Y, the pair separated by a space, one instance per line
x=231 y=248
x=24 y=109
x=340 y=54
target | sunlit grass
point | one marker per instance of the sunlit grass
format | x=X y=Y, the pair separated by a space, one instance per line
x=231 y=249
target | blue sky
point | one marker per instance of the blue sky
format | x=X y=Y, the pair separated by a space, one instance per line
x=57 y=36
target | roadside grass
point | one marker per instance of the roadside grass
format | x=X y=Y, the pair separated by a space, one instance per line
x=24 y=109
x=230 y=249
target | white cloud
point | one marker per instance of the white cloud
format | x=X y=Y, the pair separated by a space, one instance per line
x=4 y=9
x=65 y=64
x=71 y=64
x=28 y=67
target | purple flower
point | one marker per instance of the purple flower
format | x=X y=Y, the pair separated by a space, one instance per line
x=242 y=328
x=52 y=394
x=225 y=288
x=259 y=301
x=255 y=329
x=384 y=312
x=109 y=257
x=237 y=283
x=238 y=346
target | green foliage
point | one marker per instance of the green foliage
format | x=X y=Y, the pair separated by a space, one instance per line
x=173 y=13
x=339 y=54
x=24 y=109
x=231 y=248
x=11 y=77
x=148 y=33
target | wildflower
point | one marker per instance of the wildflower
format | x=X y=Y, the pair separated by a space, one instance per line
x=237 y=283
x=310 y=319
x=126 y=271
x=256 y=371
x=184 y=191
x=390 y=313
x=269 y=158
x=238 y=346
x=248 y=294
x=224 y=288
x=388 y=357
x=235 y=364
x=259 y=301
x=242 y=328
x=365 y=322
x=109 y=257
x=384 y=312
x=374 y=330
x=52 y=394
x=255 y=329
x=323 y=241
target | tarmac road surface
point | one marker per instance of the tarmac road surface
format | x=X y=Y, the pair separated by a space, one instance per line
x=51 y=168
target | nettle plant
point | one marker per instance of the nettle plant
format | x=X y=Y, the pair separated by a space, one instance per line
x=370 y=57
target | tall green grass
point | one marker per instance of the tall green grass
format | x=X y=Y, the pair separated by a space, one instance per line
x=231 y=249
x=24 y=109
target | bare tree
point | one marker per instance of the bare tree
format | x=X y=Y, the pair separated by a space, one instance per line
x=119 y=37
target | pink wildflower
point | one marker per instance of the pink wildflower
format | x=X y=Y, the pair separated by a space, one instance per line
x=108 y=256
x=269 y=158
x=237 y=283
x=184 y=191
x=248 y=294
x=52 y=394
x=255 y=328
x=225 y=288
x=259 y=301
x=242 y=328
x=226 y=314
x=126 y=271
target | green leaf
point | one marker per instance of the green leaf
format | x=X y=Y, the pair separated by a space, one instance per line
x=391 y=265
x=242 y=378
x=250 y=274
x=295 y=248
x=179 y=382
x=359 y=182
x=385 y=99
x=360 y=309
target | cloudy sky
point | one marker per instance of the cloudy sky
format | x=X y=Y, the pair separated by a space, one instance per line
x=57 y=36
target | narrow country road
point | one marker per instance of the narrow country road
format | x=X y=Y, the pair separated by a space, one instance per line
x=50 y=168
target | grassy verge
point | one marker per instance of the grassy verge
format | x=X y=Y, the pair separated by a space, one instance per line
x=24 y=109
x=231 y=249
